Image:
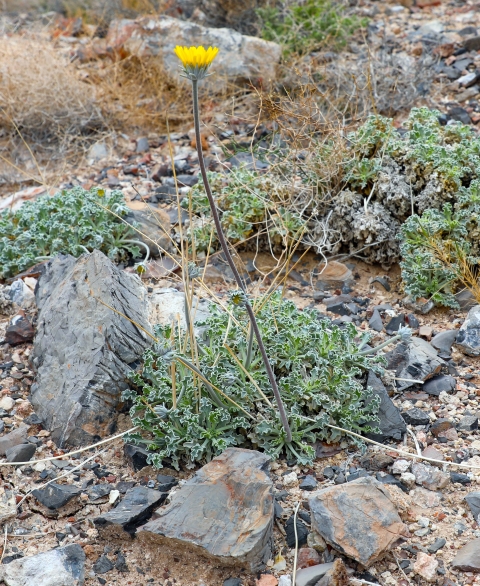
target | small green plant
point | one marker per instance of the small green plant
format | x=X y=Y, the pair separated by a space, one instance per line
x=302 y=27
x=248 y=203
x=73 y=221
x=226 y=399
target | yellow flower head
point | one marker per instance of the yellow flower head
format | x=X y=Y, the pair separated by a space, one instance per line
x=196 y=60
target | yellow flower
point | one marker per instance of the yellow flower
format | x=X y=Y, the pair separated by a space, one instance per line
x=196 y=60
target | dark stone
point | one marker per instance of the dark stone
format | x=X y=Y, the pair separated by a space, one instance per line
x=383 y=282
x=33 y=419
x=473 y=501
x=340 y=479
x=468 y=338
x=412 y=321
x=444 y=340
x=102 y=565
x=329 y=473
x=391 y=424
x=468 y=557
x=134 y=509
x=340 y=305
x=458 y=113
x=166 y=483
x=308 y=483
x=375 y=322
x=121 y=563
x=123 y=486
x=232 y=582
x=304 y=516
x=440 y=383
x=302 y=532
x=142 y=145
x=248 y=161
x=19 y=331
x=460 y=478
x=227 y=500
x=436 y=545
x=395 y=323
x=75 y=327
x=468 y=423
x=440 y=426
x=472 y=44
x=390 y=479
x=21 y=453
x=136 y=456
x=98 y=491
x=277 y=509
x=55 y=496
x=416 y=416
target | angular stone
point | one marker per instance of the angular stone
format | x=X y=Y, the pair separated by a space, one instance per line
x=416 y=416
x=232 y=518
x=468 y=338
x=102 y=565
x=135 y=508
x=14 y=438
x=336 y=576
x=19 y=331
x=437 y=545
x=240 y=57
x=64 y=566
x=438 y=384
x=153 y=225
x=136 y=456
x=375 y=322
x=426 y=566
x=308 y=483
x=302 y=532
x=468 y=423
x=473 y=502
x=166 y=483
x=55 y=495
x=341 y=305
x=307 y=556
x=312 y=574
x=414 y=360
x=468 y=557
x=395 y=323
x=83 y=348
x=358 y=519
x=429 y=477
x=441 y=426
x=391 y=424
x=20 y=453
x=444 y=340
x=460 y=478
x=98 y=491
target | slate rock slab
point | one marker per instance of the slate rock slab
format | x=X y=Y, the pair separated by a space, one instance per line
x=224 y=512
x=468 y=337
x=14 y=438
x=82 y=348
x=20 y=453
x=438 y=384
x=358 y=519
x=414 y=360
x=64 y=566
x=473 y=501
x=392 y=424
x=444 y=340
x=54 y=496
x=468 y=557
x=135 y=508
x=429 y=476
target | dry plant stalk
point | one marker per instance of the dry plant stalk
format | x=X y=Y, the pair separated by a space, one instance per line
x=40 y=93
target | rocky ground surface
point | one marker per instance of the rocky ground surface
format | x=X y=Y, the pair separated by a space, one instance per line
x=105 y=517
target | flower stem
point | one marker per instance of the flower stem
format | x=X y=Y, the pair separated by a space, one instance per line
x=228 y=256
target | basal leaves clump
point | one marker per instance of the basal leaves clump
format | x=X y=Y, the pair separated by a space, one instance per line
x=319 y=369
x=73 y=221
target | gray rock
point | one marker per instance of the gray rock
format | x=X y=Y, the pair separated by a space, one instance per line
x=83 y=348
x=375 y=322
x=136 y=456
x=308 y=483
x=98 y=491
x=14 y=438
x=416 y=416
x=135 y=508
x=311 y=575
x=444 y=340
x=468 y=557
x=166 y=304
x=460 y=478
x=232 y=517
x=302 y=532
x=102 y=565
x=142 y=145
x=413 y=360
x=54 y=496
x=472 y=44
x=358 y=519
x=394 y=324
x=166 y=483
x=64 y=566
x=468 y=338
x=439 y=383
x=436 y=545
x=20 y=453
x=21 y=294
x=465 y=298
x=233 y=582
x=152 y=227
x=98 y=151
x=240 y=57
x=473 y=501
x=468 y=423
x=392 y=424
x=429 y=477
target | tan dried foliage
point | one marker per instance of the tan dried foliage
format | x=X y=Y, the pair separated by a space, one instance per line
x=41 y=94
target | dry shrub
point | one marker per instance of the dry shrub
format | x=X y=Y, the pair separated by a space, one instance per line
x=41 y=95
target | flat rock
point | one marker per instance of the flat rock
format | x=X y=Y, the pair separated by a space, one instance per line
x=232 y=517
x=14 y=438
x=414 y=360
x=135 y=508
x=19 y=331
x=429 y=476
x=358 y=519
x=468 y=557
x=240 y=57
x=20 y=453
x=64 y=566
x=311 y=575
x=473 y=502
x=83 y=348
x=444 y=341
x=468 y=338
x=440 y=383
x=416 y=416
x=168 y=304
x=153 y=225
x=54 y=496
x=391 y=424
x=375 y=322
